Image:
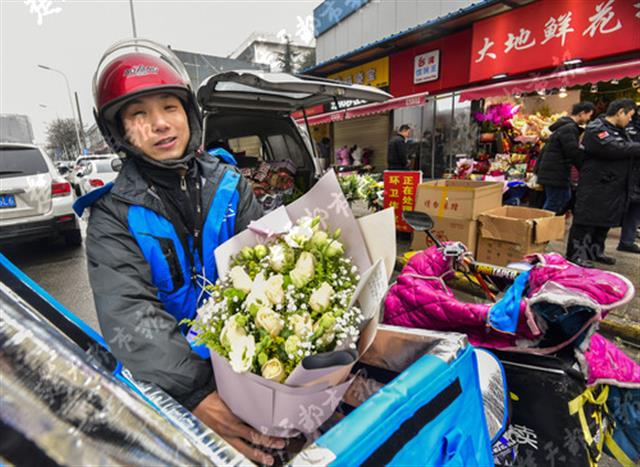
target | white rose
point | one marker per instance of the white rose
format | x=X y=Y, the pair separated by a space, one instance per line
x=321 y=297
x=231 y=332
x=292 y=344
x=273 y=370
x=240 y=279
x=257 y=293
x=274 y=291
x=327 y=322
x=301 y=325
x=269 y=320
x=241 y=355
x=277 y=258
x=320 y=239
x=334 y=248
x=303 y=271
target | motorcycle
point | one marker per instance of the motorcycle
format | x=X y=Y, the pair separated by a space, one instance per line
x=540 y=318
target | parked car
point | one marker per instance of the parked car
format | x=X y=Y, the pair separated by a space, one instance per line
x=95 y=174
x=249 y=113
x=79 y=166
x=35 y=200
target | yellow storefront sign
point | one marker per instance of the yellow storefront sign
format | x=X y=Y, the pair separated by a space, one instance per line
x=374 y=73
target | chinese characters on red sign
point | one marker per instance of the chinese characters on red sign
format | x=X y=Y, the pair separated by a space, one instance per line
x=547 y=33
x=400 y=194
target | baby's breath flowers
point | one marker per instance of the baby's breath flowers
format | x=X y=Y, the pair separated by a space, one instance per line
x=282 y=302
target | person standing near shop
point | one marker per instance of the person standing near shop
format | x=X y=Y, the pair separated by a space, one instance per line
x=631 y=219
x=397 y=150
x=603 y=189
x=561 y=152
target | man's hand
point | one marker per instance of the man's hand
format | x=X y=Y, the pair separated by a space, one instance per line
x=214 y=413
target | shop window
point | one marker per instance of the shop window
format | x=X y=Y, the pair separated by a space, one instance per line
x=446 y=131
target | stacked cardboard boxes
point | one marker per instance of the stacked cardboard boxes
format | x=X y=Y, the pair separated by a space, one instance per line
x=510 y=232
x=454 y=206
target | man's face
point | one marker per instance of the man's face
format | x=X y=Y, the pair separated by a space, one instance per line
x=623 y=118
x=157 y=124
x=406 y=133
x=584 y=117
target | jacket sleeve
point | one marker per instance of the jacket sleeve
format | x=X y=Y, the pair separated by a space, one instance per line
x=392 y=157
x=249 y=209
x=401 y=150
x=570 y=143
x=609 y=146
x=140 y=333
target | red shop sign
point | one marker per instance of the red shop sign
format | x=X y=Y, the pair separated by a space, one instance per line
x=547 y=33
x=400 y=193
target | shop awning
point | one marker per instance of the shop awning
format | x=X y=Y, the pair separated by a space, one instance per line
x=565 y=78
x=368 y=109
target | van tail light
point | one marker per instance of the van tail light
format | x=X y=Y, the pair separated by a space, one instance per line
x=96 y=182
x=60 y=189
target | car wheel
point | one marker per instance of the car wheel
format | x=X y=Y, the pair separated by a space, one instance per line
x=73 y=238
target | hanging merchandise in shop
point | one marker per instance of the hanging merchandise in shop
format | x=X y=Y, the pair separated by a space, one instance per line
x=550 y=33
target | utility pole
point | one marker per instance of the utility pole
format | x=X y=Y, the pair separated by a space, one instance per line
x=133 y=19
x=73 y=114
x=82 y=136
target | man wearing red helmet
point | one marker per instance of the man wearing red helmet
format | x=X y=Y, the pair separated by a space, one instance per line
x=152 y=233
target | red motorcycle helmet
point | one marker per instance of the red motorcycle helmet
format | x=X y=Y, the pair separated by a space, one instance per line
x=132 y=68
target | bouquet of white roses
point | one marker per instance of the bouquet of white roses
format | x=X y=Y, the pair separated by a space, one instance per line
x=282 y=302
x=295 y=307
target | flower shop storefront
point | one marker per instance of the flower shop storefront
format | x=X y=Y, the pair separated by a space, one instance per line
x=564 y=52
x=490 y=90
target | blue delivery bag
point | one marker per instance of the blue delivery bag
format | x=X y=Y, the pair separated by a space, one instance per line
x=430 y=414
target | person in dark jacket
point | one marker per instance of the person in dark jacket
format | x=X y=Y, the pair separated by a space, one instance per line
x=152 y=233
x=631 y=219
x=603 y=190
x=561 y=152
x=397 y=150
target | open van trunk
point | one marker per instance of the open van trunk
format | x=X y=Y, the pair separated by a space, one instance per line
x=248 y=113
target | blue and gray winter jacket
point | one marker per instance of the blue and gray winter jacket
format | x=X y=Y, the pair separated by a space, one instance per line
x=145 y=280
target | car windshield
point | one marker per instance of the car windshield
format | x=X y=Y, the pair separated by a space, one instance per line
x=17 y=162
x=103 y=166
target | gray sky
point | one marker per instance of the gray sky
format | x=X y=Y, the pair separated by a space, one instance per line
x=74 y=39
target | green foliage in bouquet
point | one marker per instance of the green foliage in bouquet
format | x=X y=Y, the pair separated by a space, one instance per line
x=281 y=302
x=363 y=187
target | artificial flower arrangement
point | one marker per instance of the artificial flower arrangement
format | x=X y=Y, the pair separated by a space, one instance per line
x=294 y=308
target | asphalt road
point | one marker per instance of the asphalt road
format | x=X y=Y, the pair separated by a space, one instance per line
x=60 y=270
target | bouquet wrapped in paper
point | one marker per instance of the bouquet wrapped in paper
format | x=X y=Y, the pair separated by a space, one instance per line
x=294 y=308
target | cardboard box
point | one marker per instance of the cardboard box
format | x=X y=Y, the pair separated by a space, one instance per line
x=510 y=232
x=458 y=199
x=445 y=229
x=502 y=253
